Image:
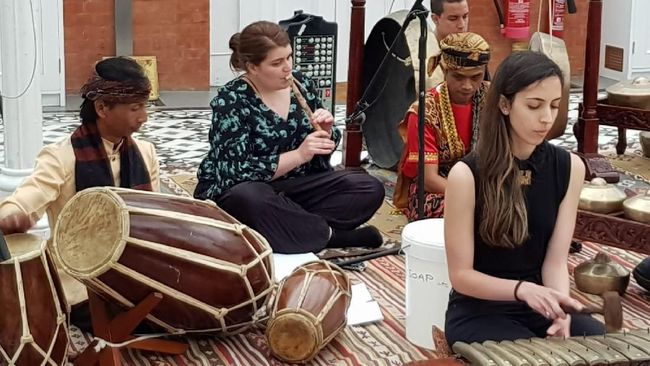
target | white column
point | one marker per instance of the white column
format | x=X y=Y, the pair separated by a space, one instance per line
x=22 y=110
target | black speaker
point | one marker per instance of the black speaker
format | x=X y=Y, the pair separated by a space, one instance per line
x=314 y=41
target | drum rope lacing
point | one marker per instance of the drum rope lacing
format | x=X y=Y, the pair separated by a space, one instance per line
x=102 y=343
x=27 y=338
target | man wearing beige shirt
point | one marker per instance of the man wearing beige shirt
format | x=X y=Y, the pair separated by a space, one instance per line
x=100 y=152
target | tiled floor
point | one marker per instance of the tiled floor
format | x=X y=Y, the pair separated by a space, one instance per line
x=180 y=136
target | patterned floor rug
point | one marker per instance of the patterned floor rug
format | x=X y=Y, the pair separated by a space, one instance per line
x=382 y=343
x=632 y=163
x=179 y=137
x=184 y=184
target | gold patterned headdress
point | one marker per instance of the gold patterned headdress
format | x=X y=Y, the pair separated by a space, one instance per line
x=462 y=50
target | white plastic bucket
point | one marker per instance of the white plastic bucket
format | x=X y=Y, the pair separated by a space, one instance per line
x=427 y=280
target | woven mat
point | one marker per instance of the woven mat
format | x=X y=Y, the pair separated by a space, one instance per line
x=182 y=184
x=635 y=165
x=382 y=343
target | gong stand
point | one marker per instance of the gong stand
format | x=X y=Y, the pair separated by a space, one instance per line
x=586 y=129
x=421 y=12
x=356 y=106
x=119 y=329
x=614 y=229
x=352 y=137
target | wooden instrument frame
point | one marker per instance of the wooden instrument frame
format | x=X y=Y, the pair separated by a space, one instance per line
x=119 y=329
x=352 y=137
x=594 y=113
x=610 y=230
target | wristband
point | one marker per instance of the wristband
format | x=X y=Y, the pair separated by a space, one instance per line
x=517 y=288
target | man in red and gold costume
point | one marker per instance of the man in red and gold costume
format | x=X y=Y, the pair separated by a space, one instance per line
x=451 y=123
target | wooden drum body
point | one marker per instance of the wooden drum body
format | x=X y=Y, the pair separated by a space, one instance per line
x=214 y=273
x=309 y=311
x=33 y=327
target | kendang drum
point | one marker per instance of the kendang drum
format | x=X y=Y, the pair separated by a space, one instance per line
x=33 y=327
x=309 y=311
x=213 y=272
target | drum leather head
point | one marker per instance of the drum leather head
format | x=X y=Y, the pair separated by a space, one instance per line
x=89 y=232
x=308 y=311
x=294 y=337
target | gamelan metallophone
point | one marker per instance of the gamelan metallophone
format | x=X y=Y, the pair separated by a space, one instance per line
x=628 y=348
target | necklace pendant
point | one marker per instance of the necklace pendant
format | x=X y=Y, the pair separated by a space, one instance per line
x=525 y=177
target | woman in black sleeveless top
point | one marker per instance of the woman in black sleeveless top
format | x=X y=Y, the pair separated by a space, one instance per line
x=510 y=215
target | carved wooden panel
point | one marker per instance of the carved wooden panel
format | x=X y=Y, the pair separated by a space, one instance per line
x=623 y=117
x=613 y=230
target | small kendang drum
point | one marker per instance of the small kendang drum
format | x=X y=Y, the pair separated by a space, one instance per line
x=214 y=273
x=309 y=311
x=33 y=326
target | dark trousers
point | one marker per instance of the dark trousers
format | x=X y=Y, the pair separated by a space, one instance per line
x=295 y=215
x=473 y=320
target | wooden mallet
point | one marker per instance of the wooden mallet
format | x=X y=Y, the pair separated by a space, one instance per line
x=612 y=311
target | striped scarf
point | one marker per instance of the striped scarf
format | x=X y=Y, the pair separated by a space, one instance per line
x=92 y=168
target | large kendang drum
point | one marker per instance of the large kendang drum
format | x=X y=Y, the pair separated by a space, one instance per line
x=214 y=273
x=309 y=310
x=33 y=326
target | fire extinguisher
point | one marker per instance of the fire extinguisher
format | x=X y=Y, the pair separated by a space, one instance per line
x=515 y=18
x=557 y=25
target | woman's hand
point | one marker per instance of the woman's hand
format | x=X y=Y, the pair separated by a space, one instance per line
x=16 y=223
x=316 y=143
x=560 y=327
x=547 y=301
x=324 y=119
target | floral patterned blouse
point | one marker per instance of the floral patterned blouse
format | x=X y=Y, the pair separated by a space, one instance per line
x=247 y=138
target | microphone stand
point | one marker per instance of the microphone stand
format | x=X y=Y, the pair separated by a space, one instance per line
x=358 y=116
x=419 y=11
x=422 y=56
